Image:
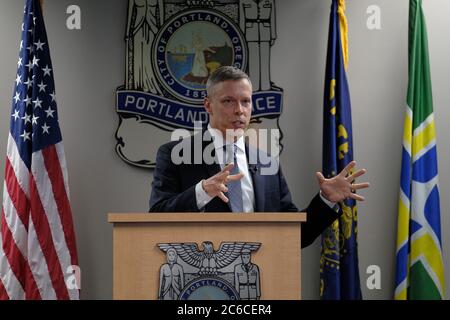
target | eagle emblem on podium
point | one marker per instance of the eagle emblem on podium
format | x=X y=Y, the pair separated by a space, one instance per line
x=191 y=273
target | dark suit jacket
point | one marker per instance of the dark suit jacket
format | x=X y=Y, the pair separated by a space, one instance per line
x=173 y=190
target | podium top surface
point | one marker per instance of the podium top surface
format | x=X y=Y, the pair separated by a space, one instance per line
x=206 y=217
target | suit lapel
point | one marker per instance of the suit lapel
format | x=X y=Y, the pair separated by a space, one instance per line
x=216 y=204
x=213 y=168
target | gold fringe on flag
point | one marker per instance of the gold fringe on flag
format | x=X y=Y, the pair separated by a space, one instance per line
x=344 y=30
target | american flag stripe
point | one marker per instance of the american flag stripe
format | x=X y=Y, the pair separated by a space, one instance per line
x=14 y=224
x=22 y=238
x=56 y=218
x=19 y=265
x=39 y=267
x=42 y=224
x=62 y=161
x=53 y=166
x=56 y=206
x=14 y=197
x=8 y=280
x=19 y=167
x=3 y=293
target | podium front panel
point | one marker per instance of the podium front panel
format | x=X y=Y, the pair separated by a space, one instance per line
x=137 y=259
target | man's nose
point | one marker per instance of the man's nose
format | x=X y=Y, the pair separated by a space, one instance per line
x=239 y=109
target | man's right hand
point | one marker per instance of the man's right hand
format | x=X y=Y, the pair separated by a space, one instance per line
x=215 y=186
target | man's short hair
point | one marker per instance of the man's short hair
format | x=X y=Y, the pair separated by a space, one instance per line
x=222 y=74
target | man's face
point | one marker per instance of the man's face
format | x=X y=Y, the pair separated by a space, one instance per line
x=245 y=258
x=230 y=105
x=171 y=256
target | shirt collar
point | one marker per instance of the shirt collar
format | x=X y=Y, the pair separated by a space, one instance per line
x=219 y=141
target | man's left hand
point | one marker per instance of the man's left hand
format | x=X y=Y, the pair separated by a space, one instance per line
x=342 y=186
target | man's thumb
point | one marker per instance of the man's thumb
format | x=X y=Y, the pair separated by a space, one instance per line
x=320 y=177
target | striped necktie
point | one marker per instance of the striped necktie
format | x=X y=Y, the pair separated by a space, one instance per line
x=235 y=187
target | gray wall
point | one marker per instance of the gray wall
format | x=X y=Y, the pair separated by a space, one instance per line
x=89 y=65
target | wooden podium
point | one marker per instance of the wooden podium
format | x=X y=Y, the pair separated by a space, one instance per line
x=137 y=258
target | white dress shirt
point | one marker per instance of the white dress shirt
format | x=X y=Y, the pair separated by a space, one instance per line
x=248 y=195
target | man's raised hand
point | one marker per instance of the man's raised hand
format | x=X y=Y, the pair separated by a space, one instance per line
x=342 y=186
x=216 y=185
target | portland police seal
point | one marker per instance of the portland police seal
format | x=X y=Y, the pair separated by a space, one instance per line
x=172 y=47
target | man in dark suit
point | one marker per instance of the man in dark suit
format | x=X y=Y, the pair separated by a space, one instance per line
x=191 y=178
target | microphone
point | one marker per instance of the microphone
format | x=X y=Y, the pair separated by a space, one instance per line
x=253 y=168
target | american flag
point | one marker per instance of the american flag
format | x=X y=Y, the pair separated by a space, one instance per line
x=37 y=246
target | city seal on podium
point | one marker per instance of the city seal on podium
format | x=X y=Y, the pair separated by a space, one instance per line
x=225 y=274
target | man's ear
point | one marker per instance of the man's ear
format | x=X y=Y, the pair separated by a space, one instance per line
x=207 y=105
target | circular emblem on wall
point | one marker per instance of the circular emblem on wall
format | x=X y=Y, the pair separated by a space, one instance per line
x=190 y=46
x=209 y=288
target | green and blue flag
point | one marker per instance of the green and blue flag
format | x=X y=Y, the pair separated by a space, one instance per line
x=420 y=269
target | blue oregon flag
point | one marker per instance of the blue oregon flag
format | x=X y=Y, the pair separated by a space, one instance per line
x=339 y=273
